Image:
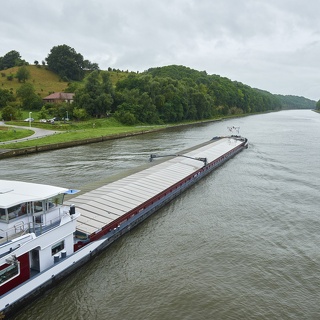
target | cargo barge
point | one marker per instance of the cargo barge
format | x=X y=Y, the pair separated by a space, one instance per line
x=44 y=238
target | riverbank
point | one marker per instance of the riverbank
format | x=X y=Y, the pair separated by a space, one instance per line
x=7 y=153
x=44 y=144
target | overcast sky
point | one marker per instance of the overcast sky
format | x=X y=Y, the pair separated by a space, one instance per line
x=272 y=45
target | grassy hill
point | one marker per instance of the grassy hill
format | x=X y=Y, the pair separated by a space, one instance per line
x=116 y=76
x=43 y=80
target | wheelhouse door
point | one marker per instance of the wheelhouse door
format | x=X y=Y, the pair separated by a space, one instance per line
x=35 y=261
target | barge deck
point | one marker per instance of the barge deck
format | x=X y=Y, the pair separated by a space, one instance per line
x=108 y=203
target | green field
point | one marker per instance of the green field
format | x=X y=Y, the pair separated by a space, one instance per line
x=44 y=81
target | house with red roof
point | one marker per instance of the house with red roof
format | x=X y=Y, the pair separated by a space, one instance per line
x=59 y=97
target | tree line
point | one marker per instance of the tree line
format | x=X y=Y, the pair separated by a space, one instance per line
x=158 y=95
x=169 y=94
x=294 y=102
x=11 y=59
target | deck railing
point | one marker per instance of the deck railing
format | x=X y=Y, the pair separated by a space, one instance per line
x=21 y=228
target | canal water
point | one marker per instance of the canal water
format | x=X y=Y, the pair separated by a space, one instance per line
x=241 y=244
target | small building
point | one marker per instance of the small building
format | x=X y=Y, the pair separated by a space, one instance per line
x=59 y=97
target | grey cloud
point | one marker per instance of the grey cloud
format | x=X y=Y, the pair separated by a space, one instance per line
x=252 y=41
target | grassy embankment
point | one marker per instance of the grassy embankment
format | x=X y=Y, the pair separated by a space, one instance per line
x=67 y=132
x=7 y=133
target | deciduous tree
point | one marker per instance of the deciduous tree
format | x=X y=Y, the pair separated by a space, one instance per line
x=10 y=59
x=96 y=96
x=6 y=96
x=66 y=62
x=30 y=100
x=23 y=74
x=9 y=113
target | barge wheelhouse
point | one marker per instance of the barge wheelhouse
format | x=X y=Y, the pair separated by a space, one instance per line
x=35 y=229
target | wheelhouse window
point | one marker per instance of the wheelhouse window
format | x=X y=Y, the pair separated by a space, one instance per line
x=3 y=215
x=12 y=271
x=50 y=204
x=23 y=209
x=38 y=206
x=55 y=201
x=13 y=212
x=57 y=247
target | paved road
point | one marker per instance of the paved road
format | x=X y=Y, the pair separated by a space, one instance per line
x=38 y=133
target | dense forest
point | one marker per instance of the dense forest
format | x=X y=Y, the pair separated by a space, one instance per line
x=294 y=102
x=173 y=94
x=167 y=94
